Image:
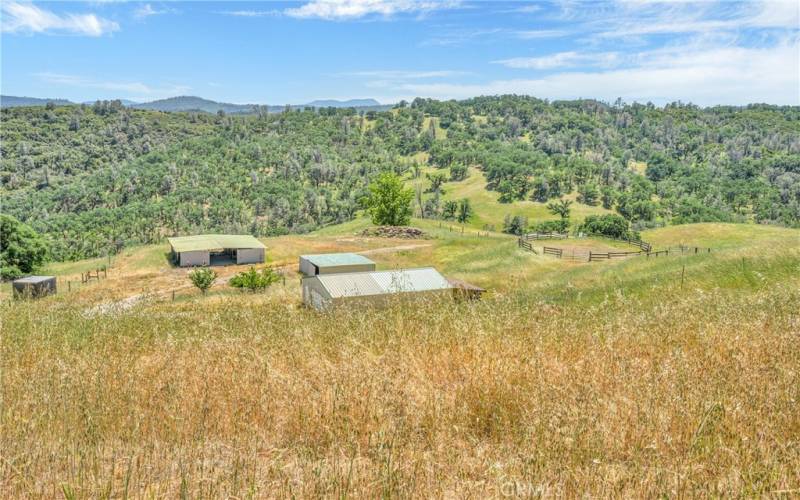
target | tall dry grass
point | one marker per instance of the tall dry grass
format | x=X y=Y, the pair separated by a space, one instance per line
x=692 y=393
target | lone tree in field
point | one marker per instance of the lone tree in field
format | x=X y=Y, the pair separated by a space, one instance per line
x=560 y=208
x=390 y=201
x=203 y=278
x=22 y=250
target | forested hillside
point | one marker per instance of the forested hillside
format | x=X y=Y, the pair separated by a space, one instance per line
x=95 y=178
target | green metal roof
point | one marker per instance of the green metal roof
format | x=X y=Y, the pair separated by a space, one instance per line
x=336 y=259
x=213 y=242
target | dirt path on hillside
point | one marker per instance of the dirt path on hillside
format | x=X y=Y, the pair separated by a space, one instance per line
x=394 y=249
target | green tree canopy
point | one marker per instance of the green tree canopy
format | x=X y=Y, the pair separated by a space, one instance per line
x=560 y=208
x=390 y=201
x=22 y=250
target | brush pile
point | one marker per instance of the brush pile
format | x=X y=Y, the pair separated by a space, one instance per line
x=403 y=232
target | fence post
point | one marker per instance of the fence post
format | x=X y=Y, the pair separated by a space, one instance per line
x=683 y=272
x=590 y=255
x=173 y=296
x=69 y=286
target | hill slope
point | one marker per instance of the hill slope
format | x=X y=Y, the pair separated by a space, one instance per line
x=10 y=101
x=191 y=103
x=620 y=369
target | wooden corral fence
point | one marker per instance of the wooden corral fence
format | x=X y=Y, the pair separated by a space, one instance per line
x=642 y=245
x=526 y=245
x=593 y=256
x=545 y=236
x=598 y=256
x=88 y=275
x=555 y=252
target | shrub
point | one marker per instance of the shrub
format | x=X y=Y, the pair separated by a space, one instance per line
x=254 y=280
x=203 y=278
x=517 y=224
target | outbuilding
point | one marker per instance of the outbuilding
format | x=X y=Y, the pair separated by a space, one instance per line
x=216 y=250
x=34 y=286
x=325 y=290
x=330 y=263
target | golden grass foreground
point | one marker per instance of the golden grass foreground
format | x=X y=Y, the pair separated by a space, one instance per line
x=690 y=393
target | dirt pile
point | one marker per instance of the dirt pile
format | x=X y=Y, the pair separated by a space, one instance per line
x=403 y=232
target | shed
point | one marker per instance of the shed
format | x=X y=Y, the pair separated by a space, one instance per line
x=329 y=263
x=466 y=290
x=34 y=286
x=325 y=290
x=216 y=250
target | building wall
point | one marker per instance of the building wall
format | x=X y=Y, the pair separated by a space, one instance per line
x=314 y=294
x=195 y=258
x=307 y=268
x=353 y=268
x=40 y=289
x=249 y=255
x=387 y=299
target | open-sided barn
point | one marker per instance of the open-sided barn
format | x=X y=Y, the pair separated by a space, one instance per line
x=216 y=249
x=330 y=263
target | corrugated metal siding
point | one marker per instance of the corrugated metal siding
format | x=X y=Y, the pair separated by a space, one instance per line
x=350 y=285
x=363 y=268
x=334 y=263
x=249 y=255
x=411 y=280
x=314 y=294
x=383 y=282
x=196 y=258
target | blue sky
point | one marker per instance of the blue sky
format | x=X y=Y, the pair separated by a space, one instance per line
x=293 y=52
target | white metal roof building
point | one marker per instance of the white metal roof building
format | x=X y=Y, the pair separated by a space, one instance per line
x=328 y=263
x=324 y=290
x=213 y=249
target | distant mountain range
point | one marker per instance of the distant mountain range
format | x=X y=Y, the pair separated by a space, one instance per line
x=198 y=104
x=10 y=101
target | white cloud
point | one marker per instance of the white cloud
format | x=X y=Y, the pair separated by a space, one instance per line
x=536 y=34
x=404 y=75
x=28 y=18
x=657 y=18
x=251 y=13
x=115 y=86
x=702 y=75
x=562 y=60
x=339 y=10
x=147 y=10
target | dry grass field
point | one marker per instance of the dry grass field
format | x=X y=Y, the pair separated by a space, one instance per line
x=569 y=379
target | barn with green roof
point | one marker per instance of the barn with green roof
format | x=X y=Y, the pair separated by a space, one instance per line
x=216 y=250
